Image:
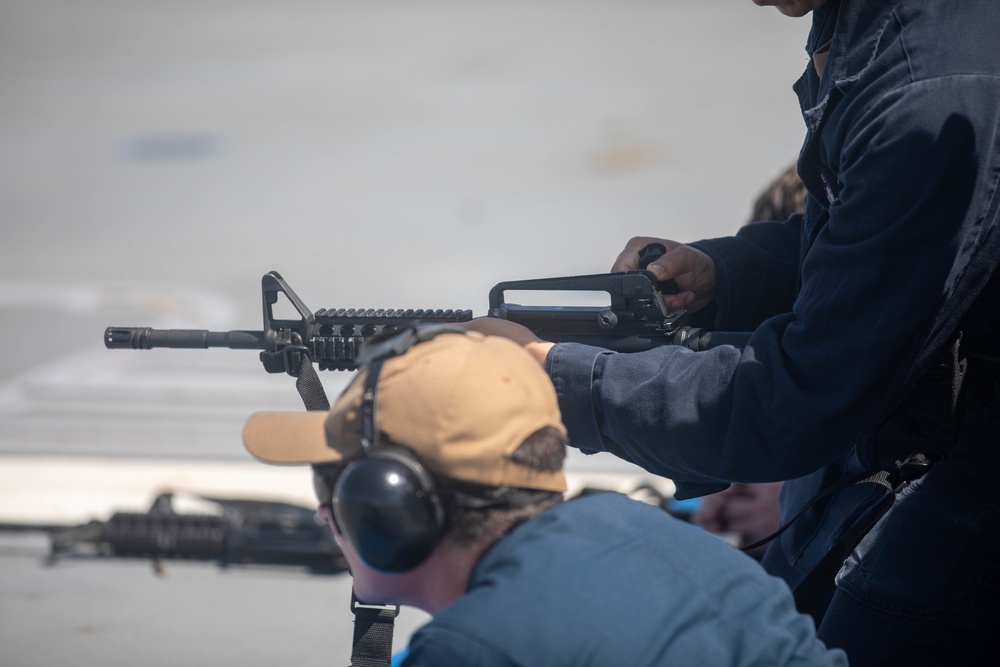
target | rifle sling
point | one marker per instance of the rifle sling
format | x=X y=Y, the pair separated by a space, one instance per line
x=309 y=385
x=373 y=625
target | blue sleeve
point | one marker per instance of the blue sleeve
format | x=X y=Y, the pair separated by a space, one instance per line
x=883 y=283
x=757 y=273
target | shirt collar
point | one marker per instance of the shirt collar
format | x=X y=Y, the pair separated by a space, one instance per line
x=848 y=32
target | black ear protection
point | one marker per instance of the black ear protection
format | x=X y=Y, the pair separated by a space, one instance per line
x=385 y=504
x=386 y=507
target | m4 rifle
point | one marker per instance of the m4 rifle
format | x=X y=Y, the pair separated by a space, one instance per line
x=636 y=319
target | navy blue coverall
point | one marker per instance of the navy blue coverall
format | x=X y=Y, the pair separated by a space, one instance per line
x=604 y=580
x=852 y=306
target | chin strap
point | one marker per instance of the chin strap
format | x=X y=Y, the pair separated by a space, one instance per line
x=372 y=633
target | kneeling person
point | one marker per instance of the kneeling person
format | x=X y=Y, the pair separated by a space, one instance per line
x=439 y=471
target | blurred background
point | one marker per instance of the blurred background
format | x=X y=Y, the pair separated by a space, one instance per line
x=157 y=158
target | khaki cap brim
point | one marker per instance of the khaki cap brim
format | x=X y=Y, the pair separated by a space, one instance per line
x=290 y=438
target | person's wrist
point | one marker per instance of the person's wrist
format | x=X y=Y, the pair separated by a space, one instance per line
x=539 y=350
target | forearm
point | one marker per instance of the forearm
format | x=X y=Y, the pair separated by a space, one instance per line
x=756 y=273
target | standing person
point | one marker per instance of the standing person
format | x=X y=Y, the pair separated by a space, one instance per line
x=439 y=471
x=874 y=346
x=751 y=512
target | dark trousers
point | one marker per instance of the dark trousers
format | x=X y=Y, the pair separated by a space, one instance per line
x=923 y=587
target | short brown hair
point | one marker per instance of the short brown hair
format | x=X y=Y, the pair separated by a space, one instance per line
x=493 y=513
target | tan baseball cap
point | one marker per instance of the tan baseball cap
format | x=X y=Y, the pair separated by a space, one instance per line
x=462 y=402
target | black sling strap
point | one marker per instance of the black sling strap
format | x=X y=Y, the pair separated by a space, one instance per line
x=309 y=386
x=373 y=625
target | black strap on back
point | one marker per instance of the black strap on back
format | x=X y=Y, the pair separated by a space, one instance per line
x=373 y=626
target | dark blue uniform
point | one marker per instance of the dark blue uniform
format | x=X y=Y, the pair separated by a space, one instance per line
x=852 y=305
x=605 y=580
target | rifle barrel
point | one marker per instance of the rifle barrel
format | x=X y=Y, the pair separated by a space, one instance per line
x=146 y=338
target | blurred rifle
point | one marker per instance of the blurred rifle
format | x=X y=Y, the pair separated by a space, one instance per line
x=232 y=532
x=235 y=532
x=637 y=319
